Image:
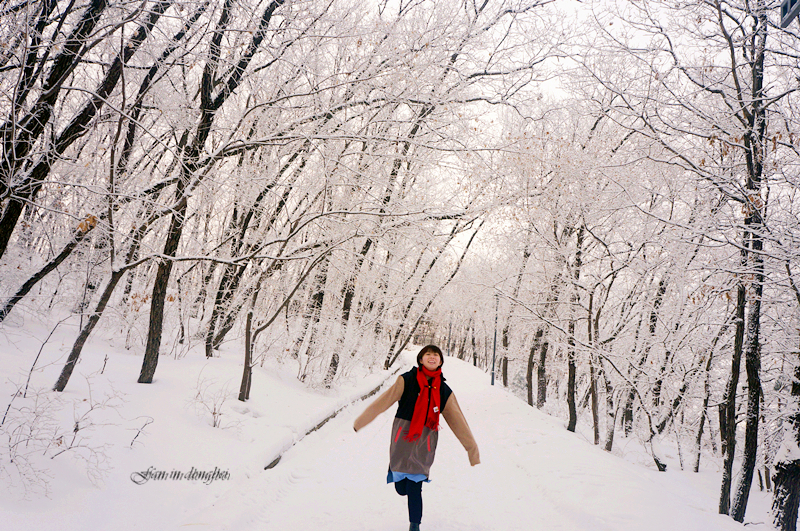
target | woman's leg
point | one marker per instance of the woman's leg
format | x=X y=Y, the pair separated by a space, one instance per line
x=414 y=492
x=400 y=486
x=412 y=489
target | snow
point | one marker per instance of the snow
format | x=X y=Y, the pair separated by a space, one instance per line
x=534 y=474
x=788 y=451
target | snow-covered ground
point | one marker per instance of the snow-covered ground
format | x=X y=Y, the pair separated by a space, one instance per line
x=534 y=474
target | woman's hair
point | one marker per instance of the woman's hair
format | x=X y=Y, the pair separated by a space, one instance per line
x=430 y=348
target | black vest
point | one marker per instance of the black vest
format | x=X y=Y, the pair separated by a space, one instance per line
x=411 y=389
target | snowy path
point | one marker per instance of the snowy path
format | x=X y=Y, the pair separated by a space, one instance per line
x=534 y=476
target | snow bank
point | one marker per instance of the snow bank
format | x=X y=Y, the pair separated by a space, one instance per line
x=149 y=456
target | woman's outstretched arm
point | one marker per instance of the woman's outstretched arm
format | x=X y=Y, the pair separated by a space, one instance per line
x=455 y=419
x=381 y=404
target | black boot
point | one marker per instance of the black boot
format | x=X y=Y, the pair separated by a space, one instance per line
x=413 y=527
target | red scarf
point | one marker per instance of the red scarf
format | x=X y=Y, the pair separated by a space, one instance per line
x=426 y=412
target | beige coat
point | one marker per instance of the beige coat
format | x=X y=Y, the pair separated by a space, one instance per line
x=452 y=414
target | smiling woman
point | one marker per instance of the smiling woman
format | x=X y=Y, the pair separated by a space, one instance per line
x=431 y=358
x=422 y=394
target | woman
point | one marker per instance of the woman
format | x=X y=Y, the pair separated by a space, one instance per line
x=422 y=395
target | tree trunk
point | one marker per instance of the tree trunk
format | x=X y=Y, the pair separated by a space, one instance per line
x=727 y=408
x=627 y=415
x=529 y=373
x=575 y=300
x=159 y=295
x=348 y=294
x=753 y=370
x=573 y=412
x=755 y=209
x=786 y=496
x=541 y=377
x=701 y=424
x=474 y=349
x=506 y=333
x=594 y=401
x=229 y=283
x=314 y=313
x=611 y=410
x=627 y=409
x=77 y=347
x=247 y=373
x=592 y=339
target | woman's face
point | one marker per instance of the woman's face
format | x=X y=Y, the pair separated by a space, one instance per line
x=431 y=360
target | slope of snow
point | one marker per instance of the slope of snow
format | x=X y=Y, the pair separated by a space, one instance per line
x=163 y=427
x=534 y=474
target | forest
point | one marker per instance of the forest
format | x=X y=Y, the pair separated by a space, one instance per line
x=592 y=201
